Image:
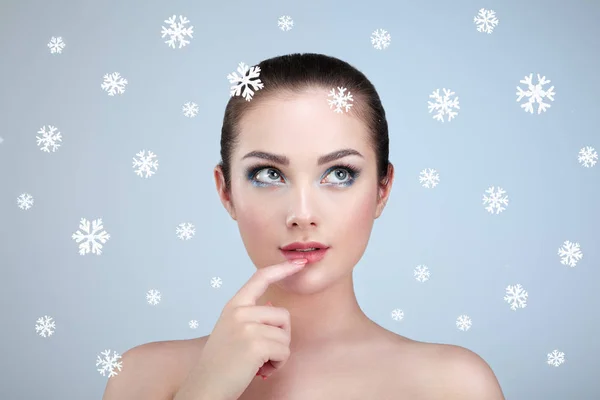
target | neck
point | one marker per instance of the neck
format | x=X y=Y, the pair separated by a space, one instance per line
x=332 y=314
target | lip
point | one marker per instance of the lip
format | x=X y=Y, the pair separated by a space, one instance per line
x=303 y=245
x=310 y=256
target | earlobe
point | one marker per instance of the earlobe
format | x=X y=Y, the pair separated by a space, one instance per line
x=380 y=207
x=231 y=210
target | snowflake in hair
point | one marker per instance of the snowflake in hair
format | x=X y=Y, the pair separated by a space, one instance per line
x=340 y=99
x=443 y=105
x=247 y=82
x=177 y=32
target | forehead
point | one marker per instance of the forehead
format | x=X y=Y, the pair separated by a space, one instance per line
x=301 y=124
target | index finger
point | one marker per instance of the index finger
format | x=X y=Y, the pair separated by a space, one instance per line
x=262 y=278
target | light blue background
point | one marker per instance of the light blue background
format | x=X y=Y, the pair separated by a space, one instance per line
x=99 y=302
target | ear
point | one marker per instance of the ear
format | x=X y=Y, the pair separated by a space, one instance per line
x=385 y=188
x=224 y=195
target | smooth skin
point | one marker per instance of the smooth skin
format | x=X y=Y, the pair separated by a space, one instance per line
x=335 y=350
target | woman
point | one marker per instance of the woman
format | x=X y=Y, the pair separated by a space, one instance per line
x=296 y=174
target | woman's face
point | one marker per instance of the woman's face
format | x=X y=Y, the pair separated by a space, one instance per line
x=277 y=203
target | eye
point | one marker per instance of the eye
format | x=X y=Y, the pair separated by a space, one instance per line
x=261 y=175
x=269 y=174
x=341 y=173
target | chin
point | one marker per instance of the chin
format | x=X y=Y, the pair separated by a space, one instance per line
x=314 y=278
x=306 y=282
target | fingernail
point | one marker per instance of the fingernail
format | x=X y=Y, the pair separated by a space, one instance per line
x=300 y=261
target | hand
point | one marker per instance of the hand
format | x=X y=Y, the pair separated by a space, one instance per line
x=247 y=338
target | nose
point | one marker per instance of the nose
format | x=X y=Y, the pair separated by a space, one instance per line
x=302 y=211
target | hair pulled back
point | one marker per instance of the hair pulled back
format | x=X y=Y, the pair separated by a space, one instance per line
x=294 y=73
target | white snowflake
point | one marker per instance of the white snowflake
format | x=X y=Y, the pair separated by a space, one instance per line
x=190 y=109
x=25 y=201
x=535 y=93
x=177 y=31
x=193 y=324
x=185 y=231
x=216 y=282
x=90 y=236
x=249 y=77
x=109 y=363
x=443 y=104
x=45 y=326
x=422 y=273
x=56 y=45
x=587 y=156
x=463 y=322
x=516 y=296
x=496 y=200
x=556 y=358
x=145 y=163
x=114 y=83
x=486 y=20
x=397 y=314
x=380 y=39
x=153 y=297
x=50 y=138
x=340 y=99
x=570 y=253
x=285 y=23
x=430 y=178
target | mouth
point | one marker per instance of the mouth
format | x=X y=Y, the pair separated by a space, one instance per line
x=312 y=255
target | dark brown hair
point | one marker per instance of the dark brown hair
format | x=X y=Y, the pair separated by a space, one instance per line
x=293 y=73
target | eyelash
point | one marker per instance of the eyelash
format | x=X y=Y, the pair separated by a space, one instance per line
x=253 y=170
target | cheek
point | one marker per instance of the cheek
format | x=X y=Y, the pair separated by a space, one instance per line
x=255 y=221
x=359 y=222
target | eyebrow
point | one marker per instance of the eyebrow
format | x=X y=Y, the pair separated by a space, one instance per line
x=283 y=160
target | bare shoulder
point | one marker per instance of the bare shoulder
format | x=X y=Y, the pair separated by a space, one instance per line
x=459 y=372
x=154 y=370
